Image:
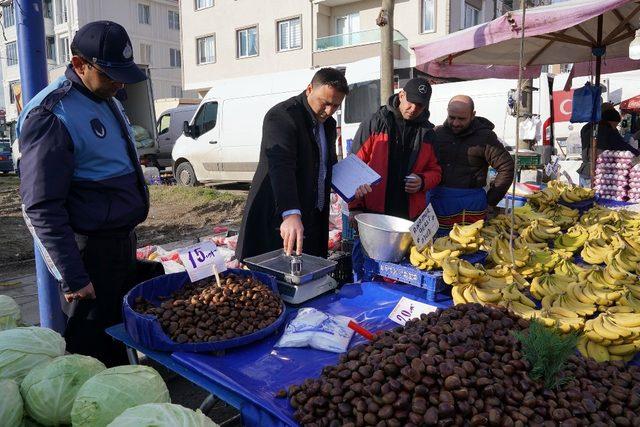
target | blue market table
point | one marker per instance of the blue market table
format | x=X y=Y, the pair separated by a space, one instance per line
x=249 y=377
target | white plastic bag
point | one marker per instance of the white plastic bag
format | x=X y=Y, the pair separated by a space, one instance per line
x=315 y=329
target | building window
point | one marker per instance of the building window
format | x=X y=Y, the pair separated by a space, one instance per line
x=12 y=54
x=428 y=16
x=145 y=53
x=247 y=42
x=144 y=14
x=47 y=9
x=348 y=24
x=64 y=50
x=8 y=17
x=51 y=48
x=289 y=34
x=61 y=11
x=471 y=15
x=206 y=50
x=201 y=4
x=176 y=92
x=174 y=20
x=175 y=58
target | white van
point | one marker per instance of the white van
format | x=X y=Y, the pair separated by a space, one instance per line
x=222 y=141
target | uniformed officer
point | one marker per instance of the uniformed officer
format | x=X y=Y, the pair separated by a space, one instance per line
x=82 y=188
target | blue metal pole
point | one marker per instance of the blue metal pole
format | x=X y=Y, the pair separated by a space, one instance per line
x=32 y=60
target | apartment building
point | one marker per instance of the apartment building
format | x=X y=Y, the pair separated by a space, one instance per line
x=153 y=26
x=227 y=39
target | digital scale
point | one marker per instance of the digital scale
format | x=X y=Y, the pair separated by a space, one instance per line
x=299 y=277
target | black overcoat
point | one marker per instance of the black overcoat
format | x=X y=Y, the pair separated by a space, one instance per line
x=287 y=178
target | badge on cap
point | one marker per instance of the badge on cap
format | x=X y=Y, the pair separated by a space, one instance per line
x=127 y=53
x=98 y=128
x=422 y=89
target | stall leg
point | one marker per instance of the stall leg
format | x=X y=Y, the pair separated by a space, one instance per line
x=132 y=355
x=208 y=403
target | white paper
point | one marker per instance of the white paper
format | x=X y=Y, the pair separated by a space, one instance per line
x=408 y=309
x=199 y=260
x=424 y=228
x=351 y=173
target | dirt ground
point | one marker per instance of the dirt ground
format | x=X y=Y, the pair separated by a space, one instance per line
x=177 y=213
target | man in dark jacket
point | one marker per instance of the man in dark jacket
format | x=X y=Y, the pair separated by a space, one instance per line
x=82 y=188
x=466 y=146
x=289 y=198
x=608 y=139
x=396 y=143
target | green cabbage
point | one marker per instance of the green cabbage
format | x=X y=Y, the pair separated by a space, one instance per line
x=50 y=388
x=9 y=313
x=110 y=392
x=11 y=410
x=22 y=349
x=162 y=415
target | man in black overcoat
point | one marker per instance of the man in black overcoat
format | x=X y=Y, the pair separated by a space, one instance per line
x=288 y=205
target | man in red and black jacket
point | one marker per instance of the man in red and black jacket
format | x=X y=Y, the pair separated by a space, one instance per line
x=397 y=143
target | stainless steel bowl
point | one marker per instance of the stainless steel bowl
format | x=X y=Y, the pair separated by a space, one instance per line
x=383 y=237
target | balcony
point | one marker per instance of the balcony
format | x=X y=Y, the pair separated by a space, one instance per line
x=340 y=41
x=350 y=47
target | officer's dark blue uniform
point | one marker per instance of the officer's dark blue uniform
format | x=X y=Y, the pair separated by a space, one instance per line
x=82 y=188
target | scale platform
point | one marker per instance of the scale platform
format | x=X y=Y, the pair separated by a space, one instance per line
x=299 y=278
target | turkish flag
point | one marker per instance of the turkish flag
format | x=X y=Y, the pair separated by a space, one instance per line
x=562 y=103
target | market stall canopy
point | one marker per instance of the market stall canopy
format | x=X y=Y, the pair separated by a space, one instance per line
x=631 y=104
x=558 y=34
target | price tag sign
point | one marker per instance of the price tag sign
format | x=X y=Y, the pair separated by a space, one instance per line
x=408 y=309
x=199 y=260
x=424 y=228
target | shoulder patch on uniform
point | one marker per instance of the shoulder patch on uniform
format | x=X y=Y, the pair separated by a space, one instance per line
x=98 y=128
x=54 y=97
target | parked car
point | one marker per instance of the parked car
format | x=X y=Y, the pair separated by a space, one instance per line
x=6 y=164
x=15 y=154
x=169 y=127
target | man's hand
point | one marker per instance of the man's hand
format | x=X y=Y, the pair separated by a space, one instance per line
x=412 y=183
x=292 y=233
x=363 y=190
x=85 y=293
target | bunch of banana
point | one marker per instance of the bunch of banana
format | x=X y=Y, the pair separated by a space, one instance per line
x=421 y=260
x=473 y=293
x=561 y=215
x=467 y=236
x=540 y=262
x=527 y=312
x=601 y=215
x=455 y=271
x=604 y=232
x=540 y=230
x=544 y=198
x=573 y=239
x=613 y=335
x=629 y=300
x=567 y=300
x=566 y=267
x=595 y=251
x=631 y=238
x=566 y=320
x=532 y=246
x=549 y=284
x=500 y=253
x=489 y=232
x=445 y=243
x=633 y=288
x=623 y=259
x=512 y=293
x=574 y=193
x=504 y=275
x=588 y=293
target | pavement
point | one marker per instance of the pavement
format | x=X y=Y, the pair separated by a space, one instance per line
x=23 y=289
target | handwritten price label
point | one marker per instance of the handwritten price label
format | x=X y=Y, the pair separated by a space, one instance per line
x=200 y=259
x=424 y=228
x=408 y=309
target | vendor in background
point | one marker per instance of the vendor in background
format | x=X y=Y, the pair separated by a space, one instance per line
x=608 y=139
x=82 y=188
x=396 y=142
x=466 y=146
x=288 y=204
